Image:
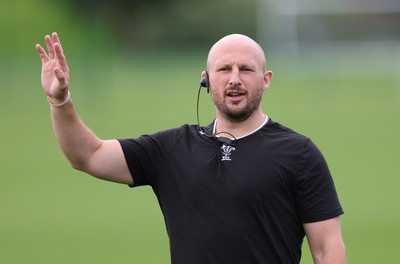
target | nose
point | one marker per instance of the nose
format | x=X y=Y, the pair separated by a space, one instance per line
x=234 y=79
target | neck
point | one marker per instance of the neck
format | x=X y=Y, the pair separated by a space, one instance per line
x=239 y=129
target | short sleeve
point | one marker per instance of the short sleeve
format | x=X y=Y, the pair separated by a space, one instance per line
x=315 y=191
x=138 y=154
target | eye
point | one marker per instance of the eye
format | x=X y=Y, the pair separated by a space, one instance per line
x=222 y=69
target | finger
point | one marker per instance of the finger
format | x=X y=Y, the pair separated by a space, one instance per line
x=42 y=53
x=60 y=56
x=50 y=47
x=56 y=39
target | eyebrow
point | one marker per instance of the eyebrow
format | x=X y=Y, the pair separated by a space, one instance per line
x=246 y=65
x=240 y=65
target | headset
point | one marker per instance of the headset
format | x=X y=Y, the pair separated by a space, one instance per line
x=205 y=82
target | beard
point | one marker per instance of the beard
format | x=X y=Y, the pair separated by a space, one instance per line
x=239 y=115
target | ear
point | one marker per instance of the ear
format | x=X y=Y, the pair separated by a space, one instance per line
x=203 y=74
x=267 y=79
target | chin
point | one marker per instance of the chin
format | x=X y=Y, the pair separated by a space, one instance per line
x=237 y=116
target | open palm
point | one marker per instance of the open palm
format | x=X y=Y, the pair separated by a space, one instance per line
x=55 y=73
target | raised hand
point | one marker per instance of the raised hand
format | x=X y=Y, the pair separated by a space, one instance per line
x=55 y=72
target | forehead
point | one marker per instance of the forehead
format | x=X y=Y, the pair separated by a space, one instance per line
x=230 y=59
x=238 y=51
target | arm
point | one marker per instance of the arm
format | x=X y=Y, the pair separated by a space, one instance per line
x=85 y=151
x=325 y=241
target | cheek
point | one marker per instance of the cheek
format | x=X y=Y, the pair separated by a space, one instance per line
x=218 y=81
x=217 y=97
x=215 y=89
x=215 y=94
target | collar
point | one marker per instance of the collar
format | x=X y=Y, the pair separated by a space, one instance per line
x=248 y=134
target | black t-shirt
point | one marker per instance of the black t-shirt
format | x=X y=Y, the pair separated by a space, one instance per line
x=243 y=203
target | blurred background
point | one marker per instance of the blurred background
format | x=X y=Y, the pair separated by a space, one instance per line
x=135 y=68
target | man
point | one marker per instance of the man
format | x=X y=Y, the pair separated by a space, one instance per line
x=245 y=189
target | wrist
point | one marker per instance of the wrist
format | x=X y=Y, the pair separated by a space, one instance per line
x=66 y=101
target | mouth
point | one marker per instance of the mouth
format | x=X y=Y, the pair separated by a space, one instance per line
x=235 y=95
x=235 y=92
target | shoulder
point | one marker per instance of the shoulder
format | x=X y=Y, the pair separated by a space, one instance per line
x=174 y=133
x=279 y=139
x=277 y=128
x=163 y=137
x=282 y=135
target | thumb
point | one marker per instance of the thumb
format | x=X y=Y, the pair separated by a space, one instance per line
x=59 y=75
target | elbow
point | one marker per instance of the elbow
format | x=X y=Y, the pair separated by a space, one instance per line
x=80 y=161
x=85 y=166
x=77 y=166
x=335 y=255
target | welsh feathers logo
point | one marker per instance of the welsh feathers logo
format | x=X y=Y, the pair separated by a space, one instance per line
x=226 y=152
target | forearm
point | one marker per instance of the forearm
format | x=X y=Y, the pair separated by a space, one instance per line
x=76 y=140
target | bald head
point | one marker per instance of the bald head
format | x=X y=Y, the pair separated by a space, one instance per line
x=237 y=43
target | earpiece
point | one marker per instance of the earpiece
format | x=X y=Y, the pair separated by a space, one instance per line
x=205 y=83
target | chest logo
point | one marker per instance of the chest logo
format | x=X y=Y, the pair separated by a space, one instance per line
x=226 y=152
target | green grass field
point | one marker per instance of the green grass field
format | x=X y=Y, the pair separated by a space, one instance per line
x=50 y=213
